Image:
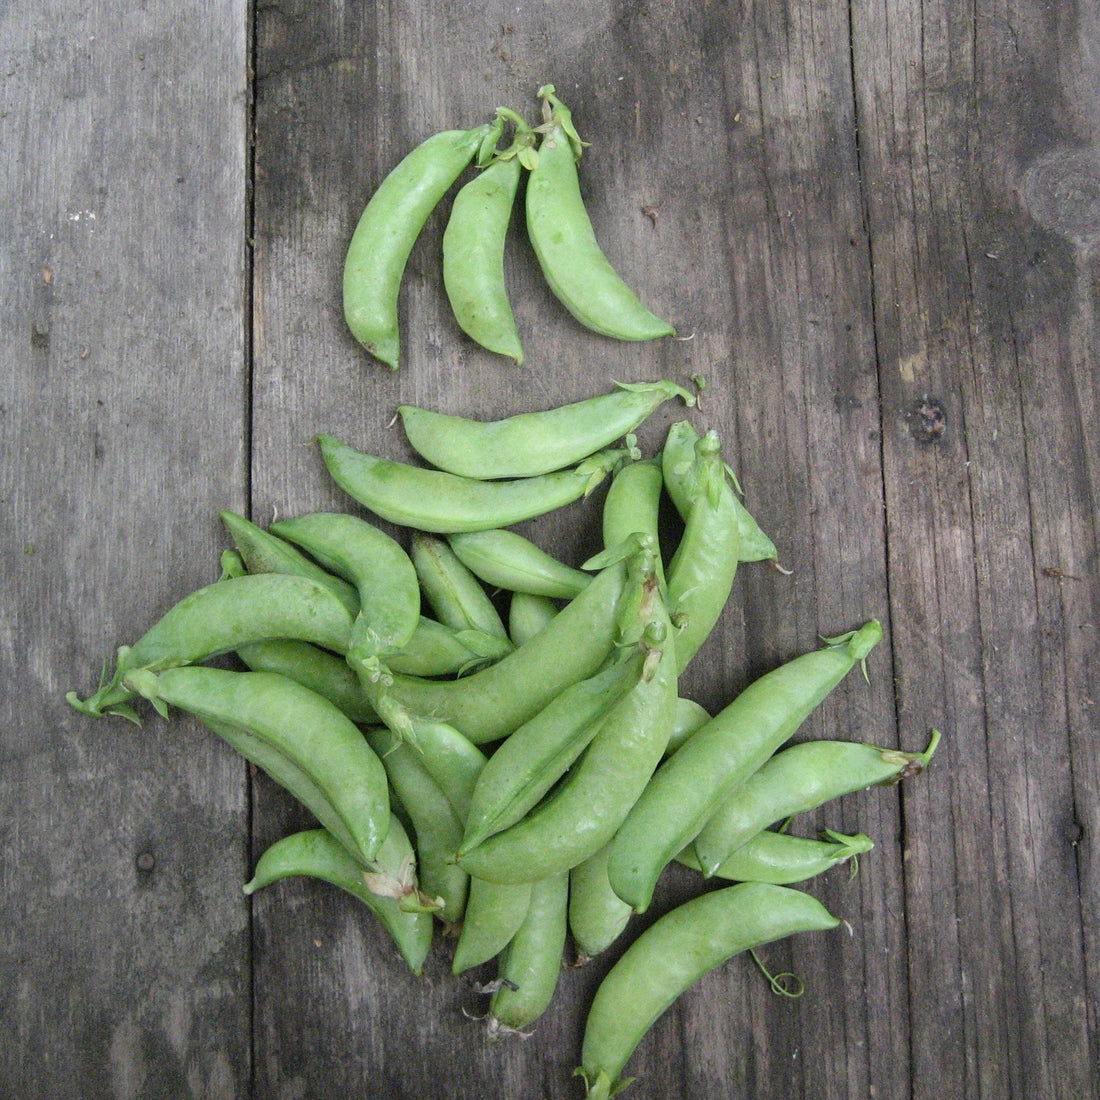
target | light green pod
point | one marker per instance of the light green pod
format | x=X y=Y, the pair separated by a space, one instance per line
x=442 y=503
x=632 y=506
x=387 y=230
x=690 y=716
x=317 y=854
x=534 y=443
x=671 y=955
x=494 y=913
x=505 y=559
x=531 y=963
x=527 y=615
x=300 y=739
x=560 y=230
x=452 y=589
x=716 y=759
x=597 y=915
x=222 y=617
x=473 y=258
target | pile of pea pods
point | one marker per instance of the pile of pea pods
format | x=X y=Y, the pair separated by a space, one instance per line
x=493 y=740
x=558 y=227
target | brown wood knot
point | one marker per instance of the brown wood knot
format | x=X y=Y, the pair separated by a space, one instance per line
x=1061 y=190
x=926 y=419
x=145 y=862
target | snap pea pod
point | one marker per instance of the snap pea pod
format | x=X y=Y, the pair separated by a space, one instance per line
x=505 y=559
x=675 y=952
x=783 y=859
x=678 y=466
x=222 y=617
x=263 y=552
x=717 y=758
x=301 y=740
x=473 y=248
x=701 y=572
x=452 y=589
x=442 y=503
x=528 y=614
x=539 y=752
x=560 y=230
x=437 y=827
x=489 y=704
x=531 y=963
x=534 y=443
x=796 y=781
x=494 y=913
x=378 y=567
x=690 y=716
x=632 y=506
x=317 y=854
x=387 y=230
x=590 y=803
x=597 y=915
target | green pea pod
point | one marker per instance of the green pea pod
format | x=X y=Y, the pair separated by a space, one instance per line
x=387 y=230
x=222 y=617
x=701 y=572
x=597 y=915
x=798 y=780
x=560 y=231
x=671 y=955
x=300 y=739
x=378 y=567
x=317 y=854
x=716 y=759
x=505 y=559
x=527 y=615
x=533 y=443
x=588 y=806
x=531 y=963
x=442 y=503
x=489 y=704
x=437 y=827
x=632 y=505
x=678 y=468
x=264 y=552
x=494 y=913
x=539 y=753
x=782 y=859
x=453 y=590
x=690 y=716
x=473 y=258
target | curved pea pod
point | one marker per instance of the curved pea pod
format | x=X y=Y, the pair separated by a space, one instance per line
x=701 y=572
x=378 y=567
x=437 y=827
x=531 y=963
x=222 y=617
x=300 y=739
x=494 y=913
x=473 y=258
x=539 y=752
x=317 y=854
x=387 y=230
x=597 y=915
x=534 y=443
x=716 y=759
x=489 y=704
x=798 y=780
x=588 y=806
x=632 y=505
x=782 y=859
x=678 y=469
x=560 y=230
x=263 y=552
x=527 y=615
x=505 y=559
x=690 y=716
x=452 y=589
x=442 y=503
x=675 y=952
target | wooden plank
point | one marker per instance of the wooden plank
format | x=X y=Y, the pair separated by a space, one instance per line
x=124 y=945
x=985 y=297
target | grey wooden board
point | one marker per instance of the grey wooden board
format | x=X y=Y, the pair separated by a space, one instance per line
x=878 y=225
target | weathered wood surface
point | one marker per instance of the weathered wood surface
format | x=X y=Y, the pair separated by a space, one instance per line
x=879 y=223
